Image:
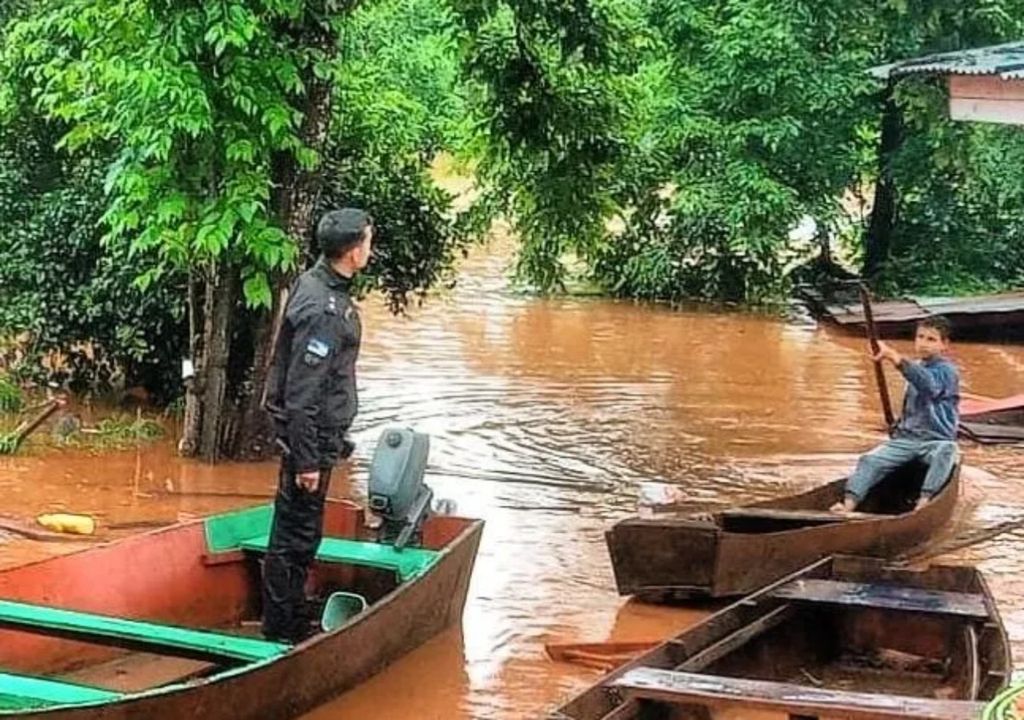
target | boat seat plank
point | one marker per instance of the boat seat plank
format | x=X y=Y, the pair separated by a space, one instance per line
x=786 y=514
x=407 y=563
x=885 y=596
x=670 y=686
x=25 y=692
x=136 y=634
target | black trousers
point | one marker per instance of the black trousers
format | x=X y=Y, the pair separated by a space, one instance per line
x=294 y=538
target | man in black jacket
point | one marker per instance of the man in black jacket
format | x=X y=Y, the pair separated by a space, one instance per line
x=312 y=400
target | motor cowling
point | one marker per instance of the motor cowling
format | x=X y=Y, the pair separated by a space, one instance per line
x=397 y=491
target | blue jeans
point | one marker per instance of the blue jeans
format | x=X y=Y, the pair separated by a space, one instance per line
x=940 y=455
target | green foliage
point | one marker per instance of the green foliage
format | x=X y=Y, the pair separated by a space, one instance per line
x=139 y=141
x=127 y=429
x=11 y=398
x=765 y=126
x=561 y=109
x=398 y=86
x=74 y=300
x=196 y=99
x=668 y=147
x=8 y=443
x=400 y=103
x=416 y=239
x=762 y=116
x=961 y=227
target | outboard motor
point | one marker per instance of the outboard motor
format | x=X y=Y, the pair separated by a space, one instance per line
x=397 y=492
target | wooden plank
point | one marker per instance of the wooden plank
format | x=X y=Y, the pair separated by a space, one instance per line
x=689 y=688
x=726 y=645
x=988 y=87
x=1003 y=112
x=890 y=597
x=809 y=515
x=136 y=634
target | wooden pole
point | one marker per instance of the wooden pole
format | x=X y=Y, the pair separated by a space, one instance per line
x=13 y=441
x=872 y=333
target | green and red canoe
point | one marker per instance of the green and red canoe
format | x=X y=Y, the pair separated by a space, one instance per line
x=164 y=624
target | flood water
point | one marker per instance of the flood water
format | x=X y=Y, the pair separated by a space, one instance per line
x=551 y=419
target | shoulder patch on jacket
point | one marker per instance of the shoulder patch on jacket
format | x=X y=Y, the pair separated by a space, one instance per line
x=318 y=347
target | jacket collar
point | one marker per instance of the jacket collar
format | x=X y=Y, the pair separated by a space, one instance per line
x=330 y=276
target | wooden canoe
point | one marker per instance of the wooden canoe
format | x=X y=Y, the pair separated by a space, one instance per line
x=843 y=638
x=736 y=551
x=164 y=624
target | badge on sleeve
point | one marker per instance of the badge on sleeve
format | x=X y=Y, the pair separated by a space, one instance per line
x=316 y=351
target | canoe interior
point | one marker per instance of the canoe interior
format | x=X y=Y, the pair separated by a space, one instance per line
x=895 y=495
x=846 y=629
x=735 y=551
x=204 y=575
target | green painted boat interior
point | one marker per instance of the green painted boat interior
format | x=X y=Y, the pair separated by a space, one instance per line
x=227 y=531
x=243 y=530
x=250 y=530
x=25 y=692
x=408 y=563
x=158 y=636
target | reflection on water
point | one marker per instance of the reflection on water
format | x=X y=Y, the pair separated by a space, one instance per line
x=551 y=419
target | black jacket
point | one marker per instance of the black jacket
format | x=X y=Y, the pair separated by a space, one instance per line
x=312 y=394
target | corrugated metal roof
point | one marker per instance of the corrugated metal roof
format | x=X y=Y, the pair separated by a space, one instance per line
x=1006 y=61
x=912 y=309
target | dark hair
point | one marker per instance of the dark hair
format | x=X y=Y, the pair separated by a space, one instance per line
x=341 y=230
x=939 y=324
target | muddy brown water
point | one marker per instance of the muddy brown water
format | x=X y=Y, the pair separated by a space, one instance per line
x=551 y=419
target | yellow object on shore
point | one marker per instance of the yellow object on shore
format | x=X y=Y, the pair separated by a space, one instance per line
x=67 y=523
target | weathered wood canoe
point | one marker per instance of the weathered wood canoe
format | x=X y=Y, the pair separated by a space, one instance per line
x=992 y=420
x=843 y=638
x=736 y=551
x=160 y=625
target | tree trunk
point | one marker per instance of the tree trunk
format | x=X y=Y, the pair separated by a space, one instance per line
x=878 y=238
x=189 y=443
x=221 y=297
x=295 y=204
x=255 y=439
